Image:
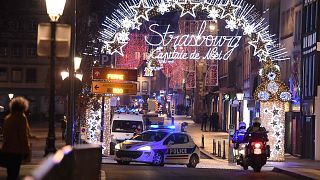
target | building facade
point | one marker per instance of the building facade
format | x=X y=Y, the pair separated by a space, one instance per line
x=310 y=79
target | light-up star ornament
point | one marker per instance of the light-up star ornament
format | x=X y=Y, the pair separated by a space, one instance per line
x=163 y=7
x=248 y=29
x=188 y=8
x=141 y=11
x=229 y=9
x=136 y=24
x=214 y=13
x=205 y=5
x=231 y=24
x=116 y=46
x=260 y=46
x=123 y=36
x=126 y=23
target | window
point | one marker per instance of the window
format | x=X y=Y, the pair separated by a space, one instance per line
x=13 y=26
x=138 y=86
x=16 y=75
x=32 y=26
x=31 y=50
x=137 y=55
x=176 y=139
x=3 y=74
x=287 y=23
x=297 y=34
x=31 y=75
x=145 y=86
x=181 y=139
x=3 y=49
x=16 y=50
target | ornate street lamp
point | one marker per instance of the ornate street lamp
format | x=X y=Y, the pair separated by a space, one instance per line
x=55 y=10
x=10 y=96
x=71 y=99
x=240 y=99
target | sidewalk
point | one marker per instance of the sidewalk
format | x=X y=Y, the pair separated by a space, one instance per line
x=293 y=166
x=40 y=131
x=300 y=168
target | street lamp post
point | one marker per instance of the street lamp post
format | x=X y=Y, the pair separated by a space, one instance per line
x=71 y=102
x=55 y=10
x=240 y=99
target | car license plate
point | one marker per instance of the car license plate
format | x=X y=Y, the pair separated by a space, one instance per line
x=257 y=151
x=126 y=159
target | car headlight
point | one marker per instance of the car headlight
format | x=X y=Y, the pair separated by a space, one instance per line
x=144 y=148
x=117 y=146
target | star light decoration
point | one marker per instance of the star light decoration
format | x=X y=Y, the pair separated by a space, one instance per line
x=188 y=8
x=229 y=9
x=116 y=46
x=261 y=46
x=142 y=10
x=236 y=13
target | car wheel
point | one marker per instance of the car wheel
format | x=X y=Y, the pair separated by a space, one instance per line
x=123 y=162
x=158 y=159
x=193 y=161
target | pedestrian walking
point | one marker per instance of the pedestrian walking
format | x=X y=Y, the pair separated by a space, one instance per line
x=215 y=121
x=187 y=110
x=211 y=122
x=64 y=127
x=16 y=132
x=204 y=120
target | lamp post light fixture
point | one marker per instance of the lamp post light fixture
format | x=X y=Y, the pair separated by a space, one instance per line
x=10 y=96
x=240 y=99
x=65 y=74
x=55 y=10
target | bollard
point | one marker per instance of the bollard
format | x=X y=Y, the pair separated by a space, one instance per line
x=202 y=141
x=219 y=149
x=214 y=147
x=224 y=150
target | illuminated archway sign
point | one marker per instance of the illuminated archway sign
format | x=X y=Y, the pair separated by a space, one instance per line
x=236 y=13
x=190 y=40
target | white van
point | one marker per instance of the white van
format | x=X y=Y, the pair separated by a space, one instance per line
x=123 y=126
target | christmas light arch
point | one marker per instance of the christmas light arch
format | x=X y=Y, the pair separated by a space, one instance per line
x=238 y=15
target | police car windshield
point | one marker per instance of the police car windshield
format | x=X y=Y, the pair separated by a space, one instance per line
x=150 y=136
x=126 y=126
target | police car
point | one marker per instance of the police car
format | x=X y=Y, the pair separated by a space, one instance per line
x=159 y=147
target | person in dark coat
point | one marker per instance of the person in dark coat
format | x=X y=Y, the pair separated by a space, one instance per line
x=215 y=121
x=187 y=110
x=211 y=122
x=204 y=120
x=16 y=133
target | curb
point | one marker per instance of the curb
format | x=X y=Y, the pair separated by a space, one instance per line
x=211 y=156
x=291 y=173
